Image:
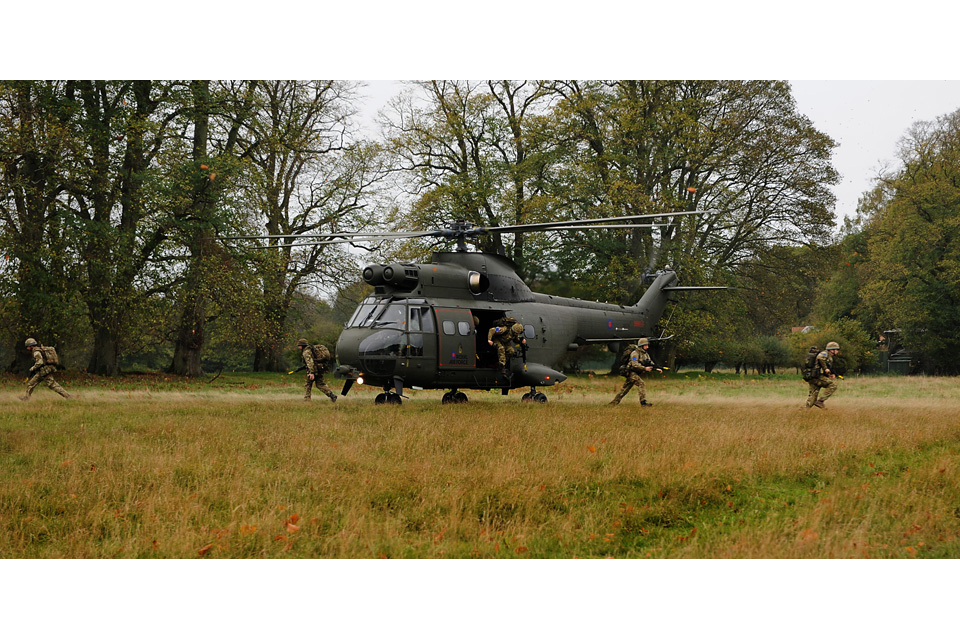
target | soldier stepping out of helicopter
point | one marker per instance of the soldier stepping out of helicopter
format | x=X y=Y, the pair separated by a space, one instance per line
x=315 y=360
x=636 y=360
x=505 y=337
x=823 y=376
x=45 y=362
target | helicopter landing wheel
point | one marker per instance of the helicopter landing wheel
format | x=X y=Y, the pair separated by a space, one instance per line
x=534 y=396
x=387 y=398
x=454 y=397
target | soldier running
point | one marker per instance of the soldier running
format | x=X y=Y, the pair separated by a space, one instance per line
x=637 y=361
x=825 y=378
x=315 y=368
x=44 y=364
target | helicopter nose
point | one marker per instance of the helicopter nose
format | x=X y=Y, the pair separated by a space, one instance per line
x=348 y=351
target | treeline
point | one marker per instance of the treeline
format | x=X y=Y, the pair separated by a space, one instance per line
x=126 y=210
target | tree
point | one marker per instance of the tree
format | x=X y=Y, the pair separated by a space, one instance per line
x=913 y=277
x=303 y=174
x=35 y=141
x=119 y=129
x=480 y=152
x=202 y=177
x=739 y=153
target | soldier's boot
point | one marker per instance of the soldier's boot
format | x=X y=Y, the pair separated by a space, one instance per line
x=306 y=398
x=23 y=398
x=332 y=396
x=819 y=404
x=644 y=403
x=614 y=402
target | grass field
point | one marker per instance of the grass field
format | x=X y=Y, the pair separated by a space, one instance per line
x=721 y=466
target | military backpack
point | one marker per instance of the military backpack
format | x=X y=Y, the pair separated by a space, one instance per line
x=321 y=355
x=810 y=370
x=49 y=356
x=625 y=362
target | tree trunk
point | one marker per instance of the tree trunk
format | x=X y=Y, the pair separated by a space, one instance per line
x=105 y=359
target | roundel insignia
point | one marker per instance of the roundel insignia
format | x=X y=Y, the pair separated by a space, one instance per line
x=609 y=323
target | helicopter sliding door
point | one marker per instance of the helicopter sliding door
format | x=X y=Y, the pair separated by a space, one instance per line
x=458 y=348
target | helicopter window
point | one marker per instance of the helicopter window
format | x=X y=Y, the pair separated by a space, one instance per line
x=394 y=315
x=464 y=328
x=529 y=331
x=414 y=319
x=382 y=343
x=367 y=313
x=449 y=328
x=426 y=318
x=362 y=312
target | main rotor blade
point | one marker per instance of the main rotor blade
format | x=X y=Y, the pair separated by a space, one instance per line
x=608 y=226
x=335 y=234
x=549 y=226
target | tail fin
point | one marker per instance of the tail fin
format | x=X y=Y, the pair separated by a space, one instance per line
x=654 y=300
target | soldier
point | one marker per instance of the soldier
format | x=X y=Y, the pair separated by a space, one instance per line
x=823 y=377
x=42 y=369
x=505 y=338
x=637 y=361
x=514 y=341
x=315 y=367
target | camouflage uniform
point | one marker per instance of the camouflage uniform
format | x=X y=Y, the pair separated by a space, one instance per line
x=315 y=369
x=505 y=340
x=638 y=362
x=513 y=345
x=823 y=381
x=42 y=373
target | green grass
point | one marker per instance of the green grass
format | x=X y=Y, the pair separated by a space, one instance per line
x=722 y=466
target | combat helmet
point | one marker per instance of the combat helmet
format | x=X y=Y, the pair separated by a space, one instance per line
x=302 y=342
x=642 y=341
x=30 y=342
x=517 y=328
x=832 y=345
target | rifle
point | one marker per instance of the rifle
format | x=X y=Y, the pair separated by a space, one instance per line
x=322 y=367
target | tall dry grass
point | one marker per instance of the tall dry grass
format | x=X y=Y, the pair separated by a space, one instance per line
x=719 y=467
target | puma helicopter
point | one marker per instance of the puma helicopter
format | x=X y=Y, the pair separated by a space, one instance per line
x=425 y=326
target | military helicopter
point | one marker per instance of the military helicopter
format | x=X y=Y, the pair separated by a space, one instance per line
x=425 y=325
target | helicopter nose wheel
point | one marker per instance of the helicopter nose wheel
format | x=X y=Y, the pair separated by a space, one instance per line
x=454 y=397
x=534 y=396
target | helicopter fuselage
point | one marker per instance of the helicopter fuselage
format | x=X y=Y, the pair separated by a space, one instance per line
x=425 y=326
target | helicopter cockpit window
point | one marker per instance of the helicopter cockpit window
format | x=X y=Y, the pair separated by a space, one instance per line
x=394 y=316
x=449 y=328
x=367 y=313
x=464 y=328
x=529 y=332
x=415 y=324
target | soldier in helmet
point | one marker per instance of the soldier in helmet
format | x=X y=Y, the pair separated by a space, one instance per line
x=824 y=377
x=505 y=339
x=637 y=360
x=42 y=370
x=315 y=367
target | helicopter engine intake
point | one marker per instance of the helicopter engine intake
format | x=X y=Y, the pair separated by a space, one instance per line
x=398 y=276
